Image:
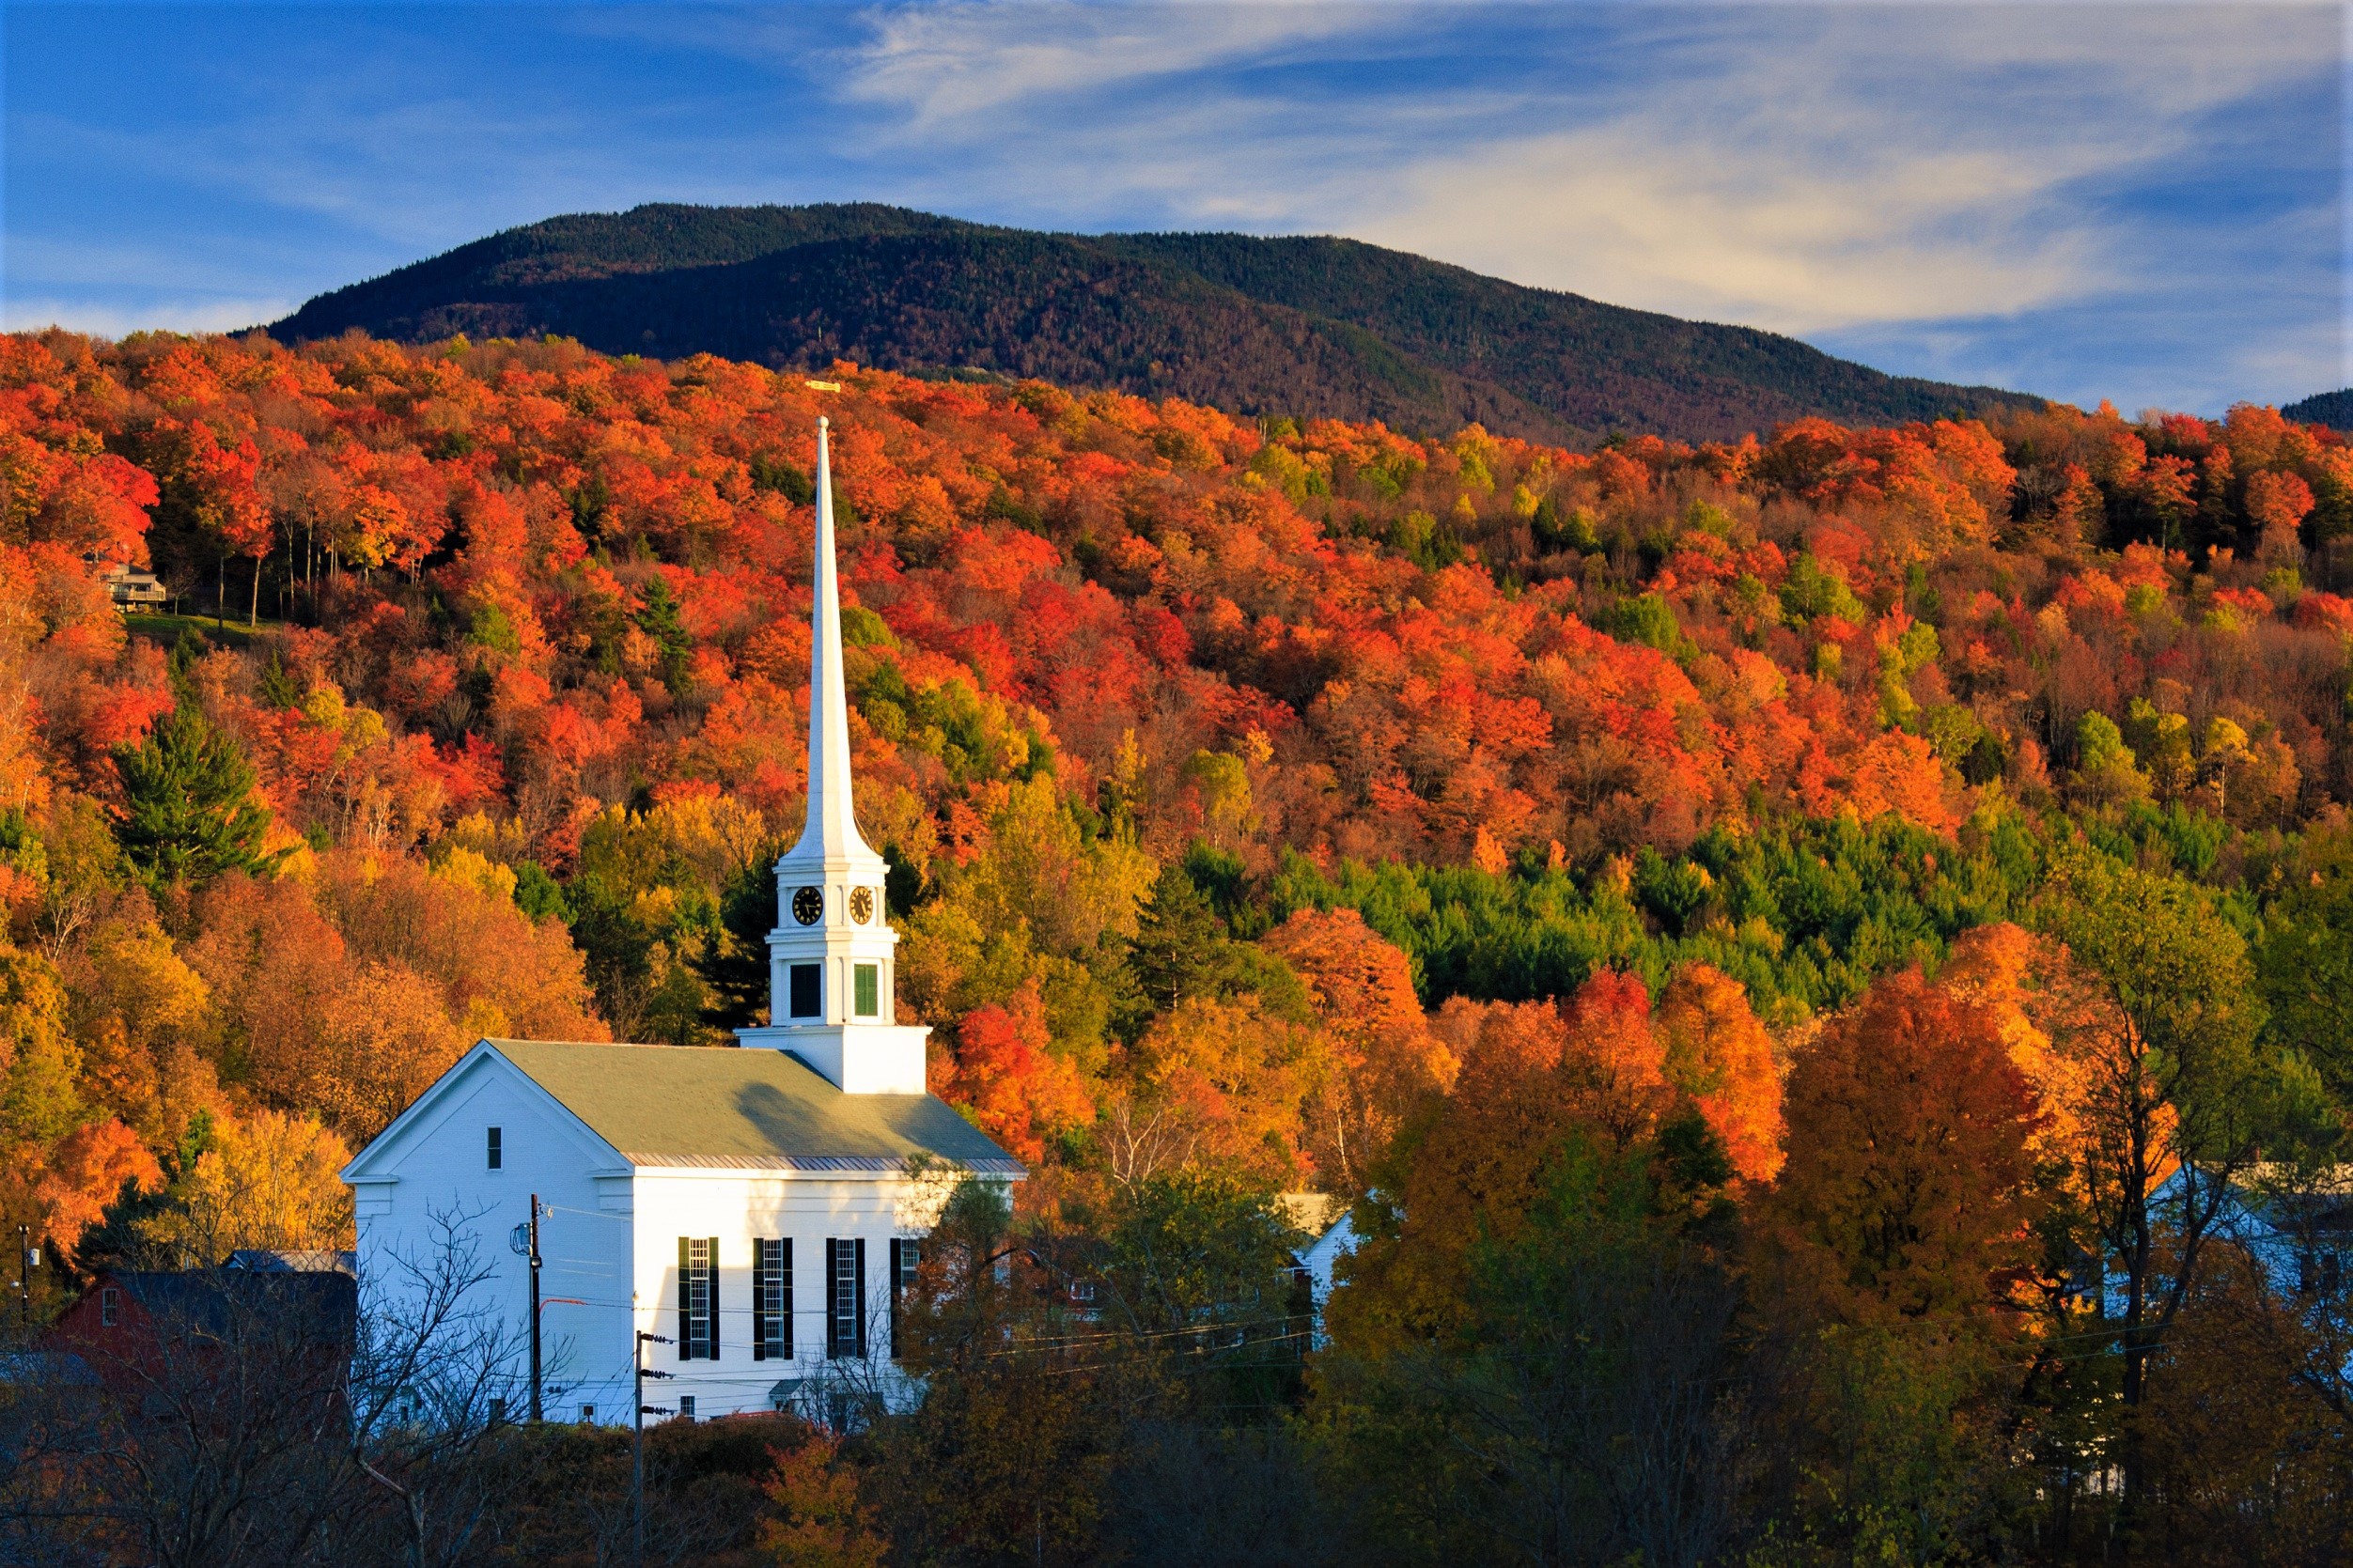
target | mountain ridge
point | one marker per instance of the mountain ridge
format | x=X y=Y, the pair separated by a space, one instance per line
x=2332 y=408
x=1305 y=326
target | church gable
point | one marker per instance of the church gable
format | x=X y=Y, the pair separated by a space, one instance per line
x=452 y=1118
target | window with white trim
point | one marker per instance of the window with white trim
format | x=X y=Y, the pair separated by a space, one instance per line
x=771 y=1298
x=698 y=1299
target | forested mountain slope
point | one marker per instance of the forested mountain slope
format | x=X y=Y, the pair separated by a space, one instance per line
x=1307 y=328
x=2332 y=408
x=1643 y=881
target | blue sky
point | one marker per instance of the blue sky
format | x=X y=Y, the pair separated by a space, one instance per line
x=2143 y=203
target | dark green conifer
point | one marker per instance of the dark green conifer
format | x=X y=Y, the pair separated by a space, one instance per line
x=189 y=811
x=1180 y=947
x=660 y=621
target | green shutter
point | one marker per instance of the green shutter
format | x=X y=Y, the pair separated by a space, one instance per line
x=686 y=1302
x=710 y=1298
x=859 y=1298
x=905 y=1258
x=895 y=1299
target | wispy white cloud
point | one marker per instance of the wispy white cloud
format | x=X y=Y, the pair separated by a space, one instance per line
x=1799 y=167
x=940 y=64
x=118 y=318
x=1724 y=230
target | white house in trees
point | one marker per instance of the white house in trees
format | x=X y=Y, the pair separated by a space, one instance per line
x=758 y=1205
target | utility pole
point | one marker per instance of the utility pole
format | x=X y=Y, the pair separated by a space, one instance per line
x=637 y=1441
x=535 y=1310
x=524 y=1240
x=27 y=1261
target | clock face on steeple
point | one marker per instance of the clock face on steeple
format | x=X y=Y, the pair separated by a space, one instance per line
x=861 y=904
x=808 y=904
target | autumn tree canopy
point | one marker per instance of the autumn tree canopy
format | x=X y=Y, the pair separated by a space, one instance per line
x=1867 y=898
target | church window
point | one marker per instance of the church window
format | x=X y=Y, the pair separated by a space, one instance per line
x=808 y=990
x=868 y=978
x=686 y=1407
x=771 y=1298
x=698 y=1299
x=497 y=1149
x=845 y=1297
x=905 y=1255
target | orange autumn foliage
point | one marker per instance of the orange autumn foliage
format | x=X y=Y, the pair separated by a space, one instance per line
x=1614 y=1057
x=1600 y=1065
x=1907 y=1190
x=1218 y=1082
x=1474 y=1170
x=87 y=1171
x=821 y=1522
x=1004 y=1076
x=1386 y=1061
x=539 y=585
x=1996 y=967
x=2068 y=1043
x=1719 y=1054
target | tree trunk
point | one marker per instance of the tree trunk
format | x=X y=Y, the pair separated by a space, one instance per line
x=252 y=610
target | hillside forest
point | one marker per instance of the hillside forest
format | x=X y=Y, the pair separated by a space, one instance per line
x=1819 y=964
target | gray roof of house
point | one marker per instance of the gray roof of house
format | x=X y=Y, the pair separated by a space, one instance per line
x=317 y=1305
x=746 y=1107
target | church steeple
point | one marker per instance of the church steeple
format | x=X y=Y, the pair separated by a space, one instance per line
x=831 y=829
x=832 y=955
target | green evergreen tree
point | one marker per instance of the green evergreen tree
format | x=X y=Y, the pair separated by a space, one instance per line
x=277 y=686
x=189 y=811
x=734 y=963
x=1180 y=947
x=540 y=894
x=660 y=621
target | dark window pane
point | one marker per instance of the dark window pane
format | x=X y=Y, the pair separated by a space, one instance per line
x=808 y=990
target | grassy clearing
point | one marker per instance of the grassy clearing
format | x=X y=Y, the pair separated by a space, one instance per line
x=166 y=628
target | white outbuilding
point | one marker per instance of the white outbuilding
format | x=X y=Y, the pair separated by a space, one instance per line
x=758 y=1206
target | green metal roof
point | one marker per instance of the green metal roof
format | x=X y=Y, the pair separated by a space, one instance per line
x=746 y=1106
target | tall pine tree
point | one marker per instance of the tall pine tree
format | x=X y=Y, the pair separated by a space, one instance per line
x=1180 y=947
x=189 y=811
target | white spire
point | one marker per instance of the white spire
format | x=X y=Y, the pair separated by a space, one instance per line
x=831 y=958
x=831 y=831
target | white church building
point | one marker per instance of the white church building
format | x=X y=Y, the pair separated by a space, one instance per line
x=758 y=1206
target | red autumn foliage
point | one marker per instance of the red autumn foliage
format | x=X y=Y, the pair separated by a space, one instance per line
x=1004 y=1076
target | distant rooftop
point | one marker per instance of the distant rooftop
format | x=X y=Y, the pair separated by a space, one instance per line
x=314 y=1261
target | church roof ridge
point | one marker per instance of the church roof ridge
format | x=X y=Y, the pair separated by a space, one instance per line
x=735 y=1108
